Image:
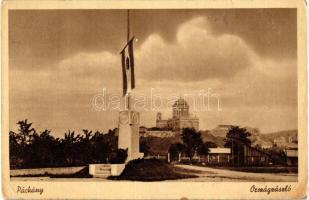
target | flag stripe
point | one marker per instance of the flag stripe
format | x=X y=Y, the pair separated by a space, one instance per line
x=124 y=73
x=131 y=55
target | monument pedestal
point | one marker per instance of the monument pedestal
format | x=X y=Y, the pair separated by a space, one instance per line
x=128 y=137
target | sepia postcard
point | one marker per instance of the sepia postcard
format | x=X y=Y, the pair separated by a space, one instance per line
x=137 y=99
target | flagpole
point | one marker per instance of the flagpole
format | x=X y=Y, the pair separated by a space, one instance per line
x=128 y=38
x=128 y=26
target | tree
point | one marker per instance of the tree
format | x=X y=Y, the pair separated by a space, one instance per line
x=41 y=150
x=70 y=149
x=103 y=145
x=119 y=156
x=20 y=142
x=204 y=148
x=278 y=155
x=85 y=146
x=192 y=140
x=99 y=148
x=15 y=150
x=26 y=132
x=175 y=150
x=235 y=139
x=144 y=147
x=210 y=144
x=30 y=149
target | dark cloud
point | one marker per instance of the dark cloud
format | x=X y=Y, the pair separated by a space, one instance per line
x=271 y=32
x=195 y=55
x=41 y=37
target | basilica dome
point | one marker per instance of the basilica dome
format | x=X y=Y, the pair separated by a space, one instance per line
x=180 y=108
x=181 y=103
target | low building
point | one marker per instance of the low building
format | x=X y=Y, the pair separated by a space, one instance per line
x=280 y=142
x=254 y=156
x=217 y=156
x=160 y=123
x=293 y=139
x=262 y=144
x=158 y=133
x=292 y=157
x=286 y=143
x=219 y=150
x=247 y=155
x=291 y=153
x=142 y=130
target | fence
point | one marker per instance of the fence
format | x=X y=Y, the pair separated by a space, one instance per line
x=44 y=171
x=215 y=160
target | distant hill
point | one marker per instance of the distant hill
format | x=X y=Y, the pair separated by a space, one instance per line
x=286 y=134
x=161 y=145
x=208 y=137
x=221 y=130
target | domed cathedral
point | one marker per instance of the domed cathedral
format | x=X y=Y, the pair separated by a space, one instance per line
x=180 y=108
x=181 y=118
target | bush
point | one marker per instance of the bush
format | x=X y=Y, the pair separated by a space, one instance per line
x=119 y=156
x=150 y=170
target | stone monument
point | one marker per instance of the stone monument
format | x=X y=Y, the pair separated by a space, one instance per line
x=129 y=119
x=128 y=136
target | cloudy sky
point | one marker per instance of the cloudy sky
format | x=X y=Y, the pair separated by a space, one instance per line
x=60 y=60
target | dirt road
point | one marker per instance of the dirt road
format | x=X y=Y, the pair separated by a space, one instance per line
x=213 y=175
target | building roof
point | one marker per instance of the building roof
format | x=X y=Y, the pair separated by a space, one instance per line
x=220 y=150
x=292 y=146
x=262 y=143
x=225 y=126
x=180 y=103
x=291 y=153
x=252 y=148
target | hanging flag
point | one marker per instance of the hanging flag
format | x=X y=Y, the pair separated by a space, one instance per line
x=124 y=74
x=131 y=55
x=127 y=60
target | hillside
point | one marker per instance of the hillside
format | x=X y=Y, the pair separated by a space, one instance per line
x=286 y=134
x=161 y=145
x=208 y=137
